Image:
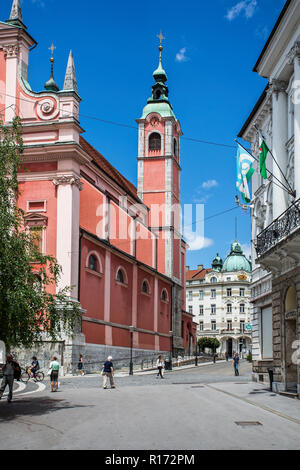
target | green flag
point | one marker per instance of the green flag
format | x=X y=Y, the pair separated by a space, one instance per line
x=263 y=152
x=244 y=173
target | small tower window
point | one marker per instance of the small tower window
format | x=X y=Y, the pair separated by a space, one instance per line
x=175 y=147
x=157 y=94
x=155 y=141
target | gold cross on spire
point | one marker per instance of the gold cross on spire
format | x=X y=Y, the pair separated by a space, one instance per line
x=52 y=48
x=160 y=37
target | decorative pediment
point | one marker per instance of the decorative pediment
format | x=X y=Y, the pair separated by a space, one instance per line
x=36 y=220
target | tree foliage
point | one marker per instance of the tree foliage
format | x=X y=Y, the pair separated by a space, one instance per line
x=210 y=343
x=28 y=309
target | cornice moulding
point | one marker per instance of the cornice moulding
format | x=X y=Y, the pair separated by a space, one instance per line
x=50 y=154
x=257 y=120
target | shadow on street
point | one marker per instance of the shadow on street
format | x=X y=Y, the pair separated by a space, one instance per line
x=38 y=407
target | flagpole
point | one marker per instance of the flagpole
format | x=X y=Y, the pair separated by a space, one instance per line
x=283 y=186
x=293 y=193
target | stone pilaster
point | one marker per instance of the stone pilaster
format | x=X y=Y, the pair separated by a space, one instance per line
x=11 y=53
x=280 y=136
x=294 y=59
x=67 y=238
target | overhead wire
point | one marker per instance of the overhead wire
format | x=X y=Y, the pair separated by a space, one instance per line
x=129 y=126
x=136 y=128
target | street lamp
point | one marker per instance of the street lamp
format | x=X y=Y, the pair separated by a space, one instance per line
x=171 y=360
x=196 y=356
x=131 y=329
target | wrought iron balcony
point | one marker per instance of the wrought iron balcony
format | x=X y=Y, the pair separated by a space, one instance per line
x=280 y=228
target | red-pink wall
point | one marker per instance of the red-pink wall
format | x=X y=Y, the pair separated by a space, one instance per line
x=145 y=245
x=121 y=296
x=145 y=302
x=39 y=191
x=91 y=285
x=91 y=200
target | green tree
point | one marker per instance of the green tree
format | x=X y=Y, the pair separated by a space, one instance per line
x=28 y=311
x=210 y=343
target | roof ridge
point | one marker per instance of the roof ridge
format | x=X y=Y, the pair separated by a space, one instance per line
x=116 y=174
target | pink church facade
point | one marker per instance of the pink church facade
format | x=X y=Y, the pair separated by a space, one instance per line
x=119 y=246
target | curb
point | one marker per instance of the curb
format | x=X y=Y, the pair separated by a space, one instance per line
x=146 y=372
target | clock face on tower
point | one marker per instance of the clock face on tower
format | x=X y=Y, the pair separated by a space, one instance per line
x=154 y=122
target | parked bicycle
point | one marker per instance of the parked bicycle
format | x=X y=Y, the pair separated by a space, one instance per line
x=27 y=375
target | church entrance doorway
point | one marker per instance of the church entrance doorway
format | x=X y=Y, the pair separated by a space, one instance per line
x=290 y=365
x=290 y=320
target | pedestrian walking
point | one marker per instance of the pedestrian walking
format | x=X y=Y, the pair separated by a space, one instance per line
x=54 y=367
x=227 y=356
x=179 y=360
x=160 y=364
x=108 y=373
x=80 y=365
x=215 y=355
x=236 y=363
x=9 y=370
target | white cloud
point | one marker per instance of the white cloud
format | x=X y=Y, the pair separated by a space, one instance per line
x=202 y=199
x=210 y=184
x=196 y=242
x=246 y=7
x=180 y=56
x=262 y=32
x=246 y=247
x=40 y=3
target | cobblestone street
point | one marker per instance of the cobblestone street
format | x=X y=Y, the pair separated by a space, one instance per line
x=196 y=408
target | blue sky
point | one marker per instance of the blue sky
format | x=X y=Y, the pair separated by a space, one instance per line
x=209 y=52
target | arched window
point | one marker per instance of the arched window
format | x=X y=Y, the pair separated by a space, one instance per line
x=145 y=287
x=121 y=276
x=155 y=141
x=213 y=280
x=93 y=263
x=164 y=295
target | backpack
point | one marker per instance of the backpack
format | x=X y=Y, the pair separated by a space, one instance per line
x=17 y=371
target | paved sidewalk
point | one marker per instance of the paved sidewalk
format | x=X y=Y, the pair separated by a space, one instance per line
x=147 y=372
x=261 y=397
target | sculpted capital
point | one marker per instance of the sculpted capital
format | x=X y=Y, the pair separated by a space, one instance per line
x=68 y=179
x=294 y=52
x=11 y=50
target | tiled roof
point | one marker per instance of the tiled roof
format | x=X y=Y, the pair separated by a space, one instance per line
x=196 y=274
x=108 y=168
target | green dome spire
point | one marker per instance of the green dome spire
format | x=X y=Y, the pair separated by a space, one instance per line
x=217 y=263
x=236 y=260
x=159 y=74
x=159 y=101
x=51 y=85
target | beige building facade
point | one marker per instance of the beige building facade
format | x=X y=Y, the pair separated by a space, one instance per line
x=218 y=298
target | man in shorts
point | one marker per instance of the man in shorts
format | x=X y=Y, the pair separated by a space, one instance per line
x=108 y=372
x=54 y=366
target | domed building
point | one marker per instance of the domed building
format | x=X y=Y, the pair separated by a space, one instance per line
x=236 y=260
x=218 y=298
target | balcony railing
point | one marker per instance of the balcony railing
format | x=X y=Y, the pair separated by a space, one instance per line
x=279 y=228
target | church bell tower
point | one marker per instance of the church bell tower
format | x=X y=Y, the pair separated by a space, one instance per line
x=159 y=182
